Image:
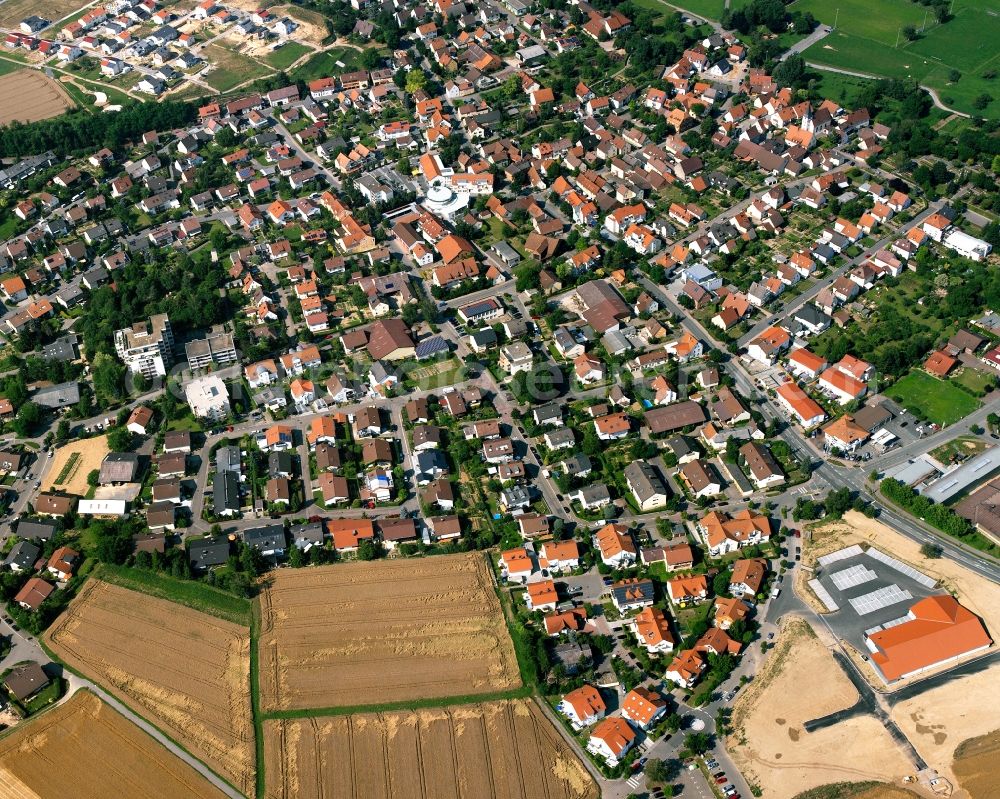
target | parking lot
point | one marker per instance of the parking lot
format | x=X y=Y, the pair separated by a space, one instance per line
x=868 y=592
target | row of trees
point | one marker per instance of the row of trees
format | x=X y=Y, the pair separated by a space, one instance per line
x=79 y=131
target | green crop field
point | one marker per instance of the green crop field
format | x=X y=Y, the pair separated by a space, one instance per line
x=936 y=400
x=869 y=39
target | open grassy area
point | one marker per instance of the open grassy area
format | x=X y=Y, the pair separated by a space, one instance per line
x=286 y=55
x=934 y=399
x=870 y=40
x=974 y=380
x=230 y=68
x=323 y=65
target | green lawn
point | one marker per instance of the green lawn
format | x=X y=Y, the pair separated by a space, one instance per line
x=288 y=54
x=872 y=42
x=323 y=65
x=7 y=67
x=936 y=400
x=974 y=380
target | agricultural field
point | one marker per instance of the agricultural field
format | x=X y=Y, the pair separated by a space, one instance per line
x=975 y=764
x=27 y=95
x=48 y=756
x=72 y=463
x=869 y=40
x=931 y=398
x=185 y=671
x=504 y=750
x=381 y=632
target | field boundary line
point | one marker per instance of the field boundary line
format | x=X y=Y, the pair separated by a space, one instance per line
x=255 y=715
x=392 y=707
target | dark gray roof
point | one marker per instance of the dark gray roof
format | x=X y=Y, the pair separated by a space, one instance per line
x=57 y=396
x=268 y=537
x=225 y=492
x=37 y=531
x=23 y=555
x=279 y=464
x=227 y=459
x=119 y=467
x=309 y=533
x=62 y=349
x=208 y=553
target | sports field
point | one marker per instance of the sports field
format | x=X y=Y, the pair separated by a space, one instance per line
x=869 y=38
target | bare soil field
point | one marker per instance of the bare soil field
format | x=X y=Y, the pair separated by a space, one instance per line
x=85 y=748
x=185 y=671
x=13 y=11
x=977 y=593
x=975 y=766
x=939 y=720
x=72 y=463
x=28 y=96
x=386 y=631
x=495 y=750
x=769 y=743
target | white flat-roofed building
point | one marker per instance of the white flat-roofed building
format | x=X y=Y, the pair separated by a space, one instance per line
x=208 y=397
x=966 y=245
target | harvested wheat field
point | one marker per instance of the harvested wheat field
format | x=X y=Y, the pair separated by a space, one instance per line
x=385 y=631
x=493 y=750
x=937 y=722
x=801 y=681
x=975 y=766
x=85 y=748
x=72 y=463
x=28 y=96
x=185 y=671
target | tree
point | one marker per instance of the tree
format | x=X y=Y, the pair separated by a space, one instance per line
x=697 y=743
x=296 y=558
x=62 y=431
x=369 y=550
x=416 y=80
x=108 y=377
x=981 y=101
x=930 y=550
x=27 y=418
x=119 y=439
x=673 y=722
x=910 y=32
x=662 y=771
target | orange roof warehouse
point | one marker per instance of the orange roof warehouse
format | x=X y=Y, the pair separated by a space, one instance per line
x=900 y=618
